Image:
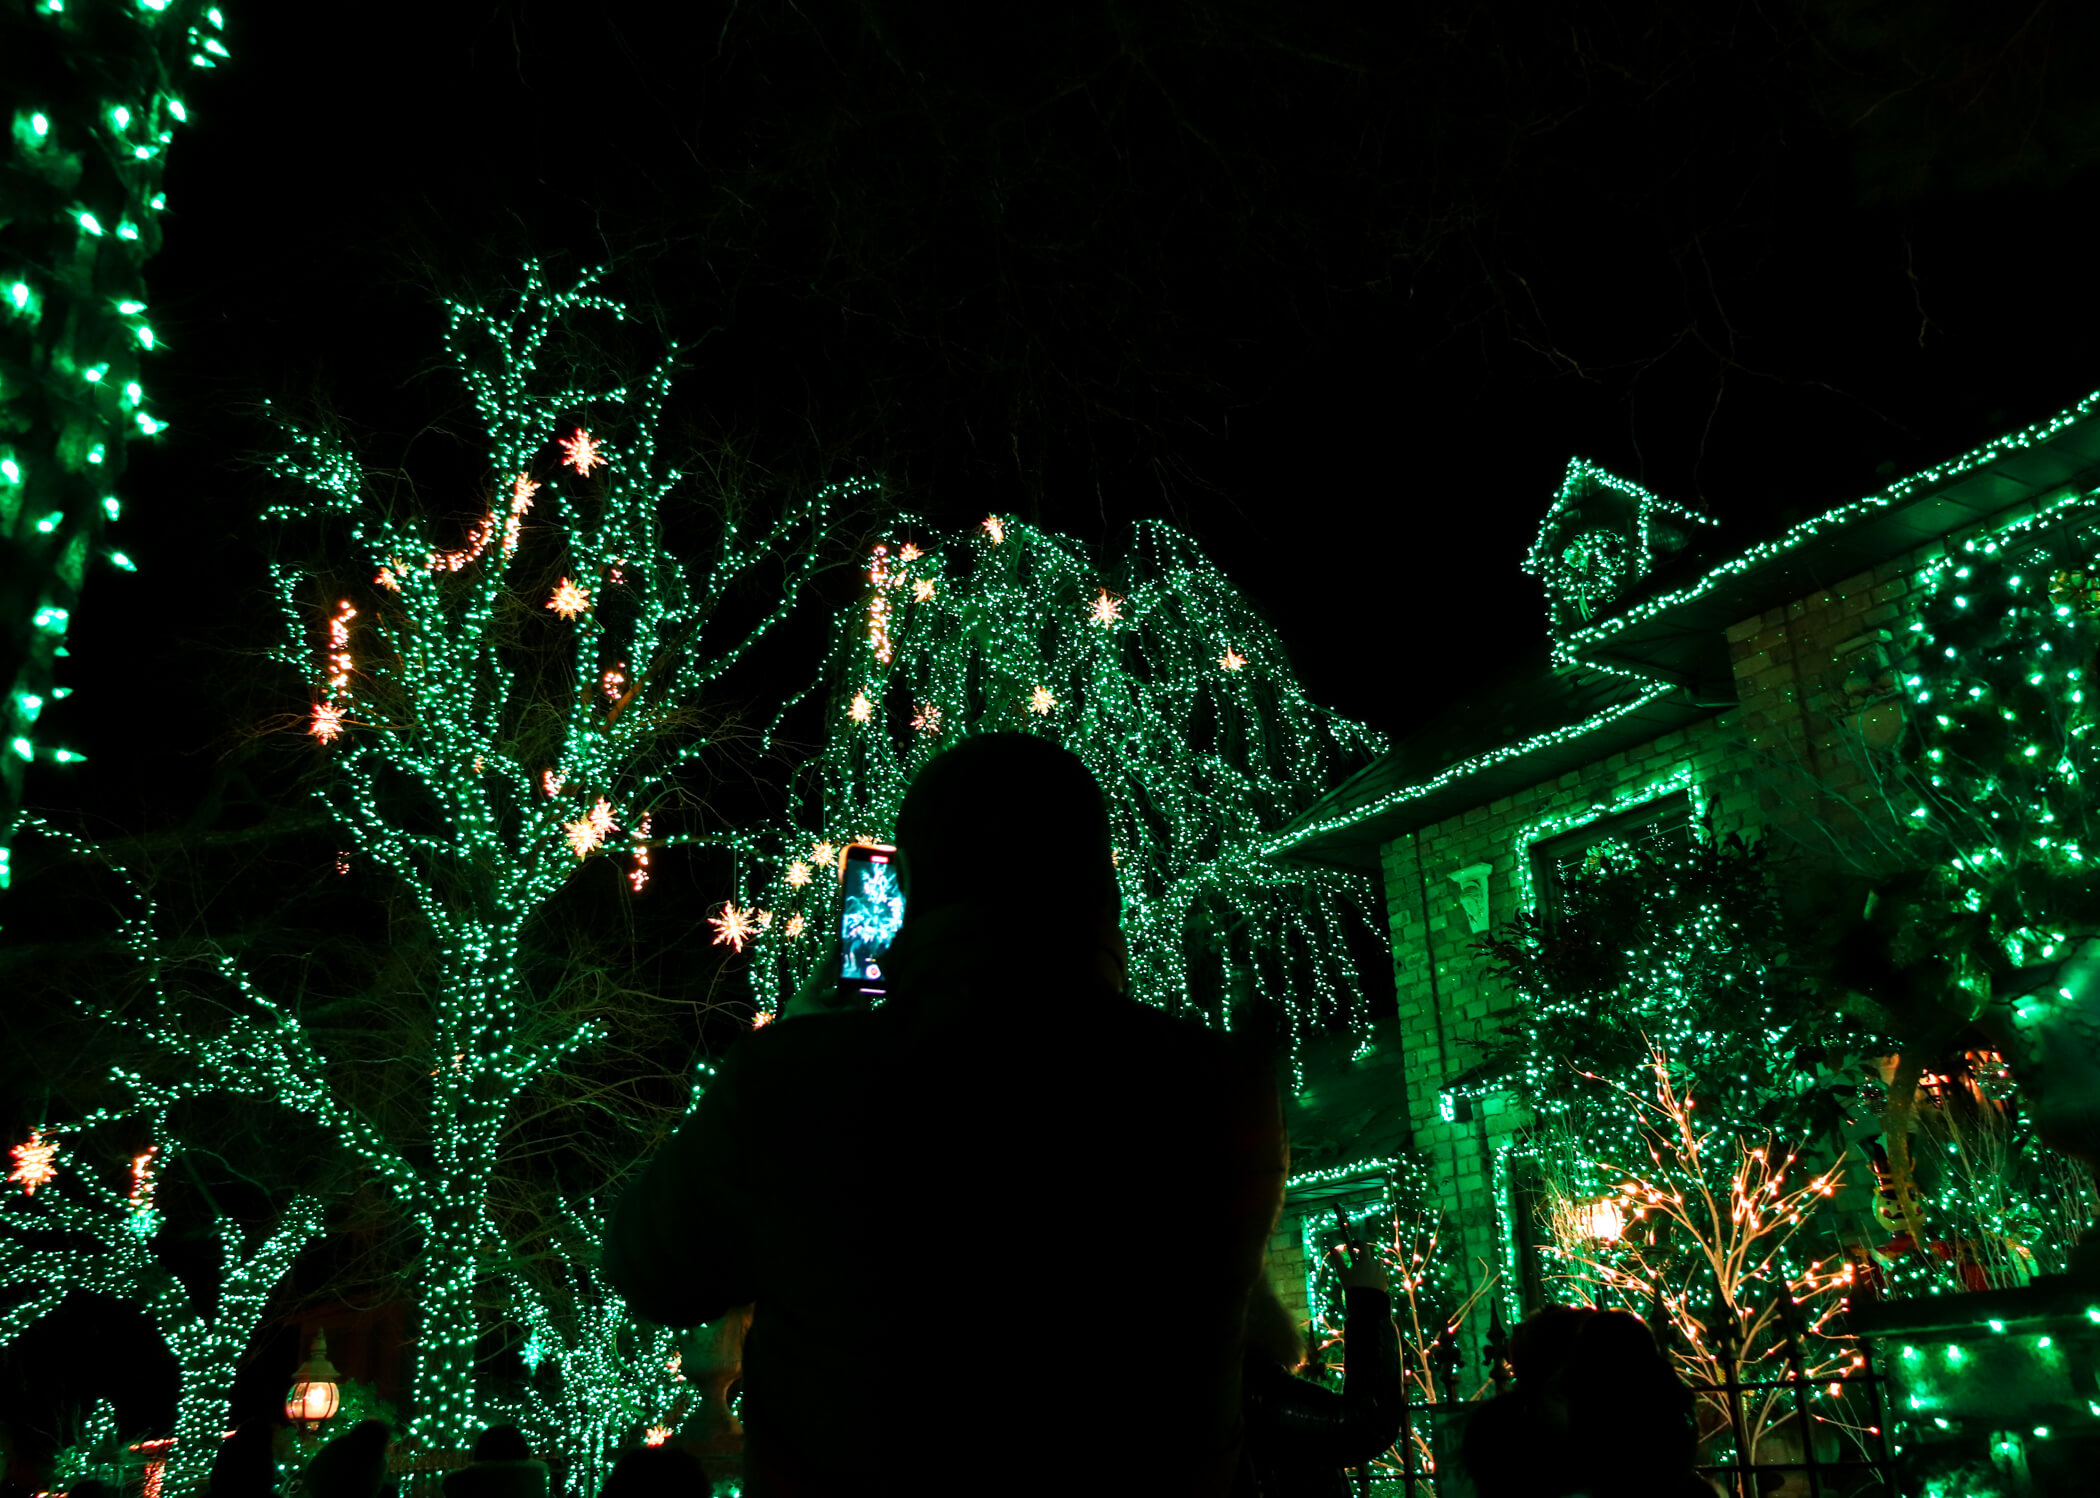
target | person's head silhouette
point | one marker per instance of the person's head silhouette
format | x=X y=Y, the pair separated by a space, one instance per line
x=1007 y=818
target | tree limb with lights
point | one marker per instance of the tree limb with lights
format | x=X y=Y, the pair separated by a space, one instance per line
x=77 y=1233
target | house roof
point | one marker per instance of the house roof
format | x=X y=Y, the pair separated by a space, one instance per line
x=1489 y=747
x=1658 y=661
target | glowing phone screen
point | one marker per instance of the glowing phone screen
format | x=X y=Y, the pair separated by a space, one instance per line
x=870 y=918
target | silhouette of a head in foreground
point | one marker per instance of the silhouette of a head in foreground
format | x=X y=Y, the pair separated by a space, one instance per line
x=978 y=813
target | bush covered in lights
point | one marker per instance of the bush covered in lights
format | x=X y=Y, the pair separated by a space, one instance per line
x=1684 y=950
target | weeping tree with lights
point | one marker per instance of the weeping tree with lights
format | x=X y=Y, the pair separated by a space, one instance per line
x=1157 y=674
x=498 y=710
x=70 y=1231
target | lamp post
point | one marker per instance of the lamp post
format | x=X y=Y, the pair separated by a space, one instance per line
x=314 y=1396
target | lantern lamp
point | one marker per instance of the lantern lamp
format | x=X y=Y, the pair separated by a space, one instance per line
x=314 y=1396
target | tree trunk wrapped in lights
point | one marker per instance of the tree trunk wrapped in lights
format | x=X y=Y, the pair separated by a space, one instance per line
x=1171 y=688
x=93 y=91
x=498 y=710
x=78 y=1234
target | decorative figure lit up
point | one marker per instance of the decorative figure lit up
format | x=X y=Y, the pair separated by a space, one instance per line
x=1040 y=701
x=1232 y=660
x=1107 y=609
x=314 y=1397
x=995 y=528
x=922 y=590
x=798 y=873
x=36 y=1162
x=327 y=722
x=569 y=600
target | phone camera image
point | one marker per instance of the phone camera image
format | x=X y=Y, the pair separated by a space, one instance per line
x=871 y=917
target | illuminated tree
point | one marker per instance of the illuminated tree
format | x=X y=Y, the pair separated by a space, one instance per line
x=1705 y=1218
x=498 y=711
x=79 y=1234
x=1991 y=816
x=1171 y=688
x=1431 y=1301
x=597 y=1377
x=96 y=102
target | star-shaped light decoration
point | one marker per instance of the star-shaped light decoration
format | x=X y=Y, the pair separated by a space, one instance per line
x=909 y=553
x=734 y=927
x=928 y=718
x=796 y=925
x=922 y=590
x=327 y=723
x=36 y=1162
x=569 y=600
x=588 y=830
x=798 y=873
x=1107 y=609
x=1040 y=701
x=995 y=528
x=822 y=854
x=1232 y=660
x=582 y=452
x=862 y=709
x=658 y=1434
x=387 y=580
x=533 y=1352
x=763 y=1018
x=764 y=918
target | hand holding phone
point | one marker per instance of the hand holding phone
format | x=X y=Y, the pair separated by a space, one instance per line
x=1353 y=1254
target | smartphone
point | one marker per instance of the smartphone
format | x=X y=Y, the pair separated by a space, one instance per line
x=870 y=915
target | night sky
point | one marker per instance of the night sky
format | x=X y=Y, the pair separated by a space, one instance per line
x=1338 y=295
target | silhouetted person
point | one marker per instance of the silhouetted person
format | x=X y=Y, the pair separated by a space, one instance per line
x=1597 y=1411
x=933 y=1204
x=502 y=1467
x=657 y=1472
x=1300 y=1436
x=1516 y=1444
x=1631 y=1421
x=244 y=1465
x=353 y=1465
